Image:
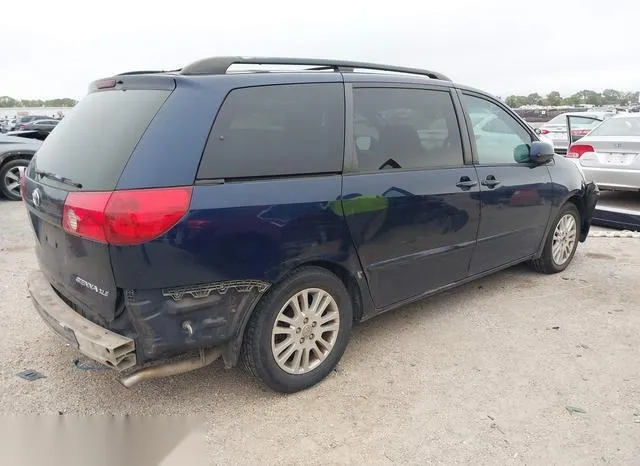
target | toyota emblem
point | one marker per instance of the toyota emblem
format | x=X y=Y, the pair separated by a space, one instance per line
x=35 y=197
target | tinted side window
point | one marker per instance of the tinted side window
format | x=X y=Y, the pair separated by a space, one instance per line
x=499 y=137
x=405 y=128
x=277 y=130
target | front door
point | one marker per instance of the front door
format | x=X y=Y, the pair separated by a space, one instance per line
x=515 y=194
x=410 y=202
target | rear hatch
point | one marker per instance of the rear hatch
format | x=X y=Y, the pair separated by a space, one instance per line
x=80 y=163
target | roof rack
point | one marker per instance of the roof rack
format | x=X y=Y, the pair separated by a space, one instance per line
x=220 y=65
x=146 y=72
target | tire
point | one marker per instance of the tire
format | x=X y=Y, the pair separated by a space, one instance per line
x=547 y=263
x=8 y=172
x=262 y=336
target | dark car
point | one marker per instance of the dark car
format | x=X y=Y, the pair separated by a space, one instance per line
x=36 y=129
x=22 y=121
x=285 y=208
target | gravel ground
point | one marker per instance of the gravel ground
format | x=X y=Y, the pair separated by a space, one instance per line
x=482 y=374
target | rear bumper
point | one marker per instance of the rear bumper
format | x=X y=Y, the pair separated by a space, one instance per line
x=98 y=343
x=613 y=178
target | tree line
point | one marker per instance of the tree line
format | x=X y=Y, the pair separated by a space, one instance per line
x=9 y=102
x=606 y=97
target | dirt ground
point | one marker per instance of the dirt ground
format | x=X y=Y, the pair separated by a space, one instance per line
x=483 y=374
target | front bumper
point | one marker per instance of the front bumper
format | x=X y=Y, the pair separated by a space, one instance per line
x=98 y=343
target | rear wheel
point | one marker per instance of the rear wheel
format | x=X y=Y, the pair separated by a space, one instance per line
x=299 y=331
x=10 y=174
x=561 y=244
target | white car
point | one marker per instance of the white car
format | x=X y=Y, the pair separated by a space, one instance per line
x=581 y=124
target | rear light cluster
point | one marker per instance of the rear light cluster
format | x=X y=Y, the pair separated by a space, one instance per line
x=544 y=131
x=124 y=217
x=578 y=150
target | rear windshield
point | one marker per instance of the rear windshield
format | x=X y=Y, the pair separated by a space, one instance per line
x=92 y=145
x=618 y=127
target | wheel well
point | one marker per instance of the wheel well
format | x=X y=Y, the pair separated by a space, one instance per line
x=575 y=200
x=349 y=281
x=14 y=156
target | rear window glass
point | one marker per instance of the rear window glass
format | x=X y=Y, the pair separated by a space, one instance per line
x=277 y=130
x=93 y=144
x=618 y=127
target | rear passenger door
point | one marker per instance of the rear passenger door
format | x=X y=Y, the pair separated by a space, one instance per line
x=410 y=201
x=515 y=194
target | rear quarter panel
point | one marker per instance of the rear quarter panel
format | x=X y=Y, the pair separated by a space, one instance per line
x=244 y=230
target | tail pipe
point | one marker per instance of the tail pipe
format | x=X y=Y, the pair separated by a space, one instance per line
x=173 y=368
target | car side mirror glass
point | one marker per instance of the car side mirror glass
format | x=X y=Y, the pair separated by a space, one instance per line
x=521 y=153
x=541 y=152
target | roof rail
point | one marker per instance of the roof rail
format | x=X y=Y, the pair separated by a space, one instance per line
x=146 y=72
x=220 y=65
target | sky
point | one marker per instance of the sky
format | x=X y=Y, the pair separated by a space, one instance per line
x=56 y=48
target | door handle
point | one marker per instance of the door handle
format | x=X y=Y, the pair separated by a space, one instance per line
x=466 y=183
x=490 y=182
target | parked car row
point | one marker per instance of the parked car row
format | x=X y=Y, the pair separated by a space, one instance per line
x=26 y=122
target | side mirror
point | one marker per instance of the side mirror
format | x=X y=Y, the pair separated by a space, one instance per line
x=541 y=152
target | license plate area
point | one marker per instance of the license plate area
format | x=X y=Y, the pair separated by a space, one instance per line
x=610 y=158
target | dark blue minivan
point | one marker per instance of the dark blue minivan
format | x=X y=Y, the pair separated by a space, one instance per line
x=257 y=214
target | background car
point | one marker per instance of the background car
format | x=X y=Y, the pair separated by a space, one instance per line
x=15 y=154
x=37 y=129
x=610 y=154
x=583 y=122
x=24 y=120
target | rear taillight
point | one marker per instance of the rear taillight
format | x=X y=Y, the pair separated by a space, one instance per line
x=544 y=131
x=124 y=217
x=578 y=150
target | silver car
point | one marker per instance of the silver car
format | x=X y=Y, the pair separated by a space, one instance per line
x=610 y=154
x=555 y=129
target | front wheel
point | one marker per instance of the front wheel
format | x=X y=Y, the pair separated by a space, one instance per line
x=299 y=331
x=560 y=246
x=10 y=174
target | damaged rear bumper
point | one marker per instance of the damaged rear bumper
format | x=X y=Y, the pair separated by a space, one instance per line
x=94 y=341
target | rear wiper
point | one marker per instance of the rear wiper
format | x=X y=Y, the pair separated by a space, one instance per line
x=58 y=178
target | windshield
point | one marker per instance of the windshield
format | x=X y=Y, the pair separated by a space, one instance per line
x=618 y=127
x=93 y=144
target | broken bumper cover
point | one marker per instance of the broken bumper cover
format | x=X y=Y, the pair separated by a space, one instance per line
x=98 y=343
